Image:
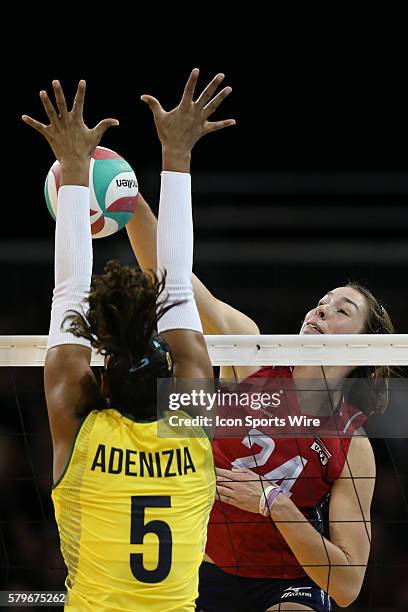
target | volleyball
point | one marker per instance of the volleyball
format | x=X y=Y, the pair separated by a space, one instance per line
x=113 y=191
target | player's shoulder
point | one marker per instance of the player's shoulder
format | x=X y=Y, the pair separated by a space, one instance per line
x=360 y=457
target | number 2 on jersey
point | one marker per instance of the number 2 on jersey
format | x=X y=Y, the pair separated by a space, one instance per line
x=288 y=472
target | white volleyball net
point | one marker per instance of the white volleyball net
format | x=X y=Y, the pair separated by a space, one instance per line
x=29 y=546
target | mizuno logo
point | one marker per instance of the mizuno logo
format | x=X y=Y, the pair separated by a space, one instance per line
x=297 y=592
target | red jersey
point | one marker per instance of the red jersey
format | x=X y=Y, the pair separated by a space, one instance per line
x=247 y=544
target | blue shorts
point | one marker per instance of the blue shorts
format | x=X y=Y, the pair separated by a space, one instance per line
x=222 y=592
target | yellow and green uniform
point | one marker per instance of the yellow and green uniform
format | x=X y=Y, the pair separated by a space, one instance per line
x=132 y=510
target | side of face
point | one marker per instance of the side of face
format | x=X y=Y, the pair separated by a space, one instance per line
x=343 y=310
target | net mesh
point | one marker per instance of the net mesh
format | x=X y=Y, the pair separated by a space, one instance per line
x=29 y=546
x=30 y=557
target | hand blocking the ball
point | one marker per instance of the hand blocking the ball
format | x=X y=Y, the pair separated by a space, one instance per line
x=112 y=182
x=70 y=139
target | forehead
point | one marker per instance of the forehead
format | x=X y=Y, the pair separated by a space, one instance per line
x=349 y=293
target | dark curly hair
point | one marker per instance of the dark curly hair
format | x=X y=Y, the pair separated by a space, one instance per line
x=124 y=307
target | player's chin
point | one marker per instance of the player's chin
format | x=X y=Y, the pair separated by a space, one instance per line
x=310 y=331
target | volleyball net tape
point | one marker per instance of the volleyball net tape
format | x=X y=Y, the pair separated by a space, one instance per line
x=356 y=349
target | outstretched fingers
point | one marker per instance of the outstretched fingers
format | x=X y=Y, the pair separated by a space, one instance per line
x=78 y=105
x=60 y=99
x=153 y=104
x=40 y=127
x=49 y=108
x=67 y=134
x=216 y=101
x=214 y=126
x=210 y=90
x=104 y=125
x=189 y=89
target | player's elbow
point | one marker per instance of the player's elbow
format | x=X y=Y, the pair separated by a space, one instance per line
x=344 y=602
x=346 y=594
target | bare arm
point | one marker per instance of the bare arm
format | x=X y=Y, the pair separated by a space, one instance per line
x=216 y=316
x=178 y=131
x=69 y=381
x=70 y=386
x=337 y=565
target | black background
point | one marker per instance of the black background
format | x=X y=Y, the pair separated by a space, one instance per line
x=316 y=97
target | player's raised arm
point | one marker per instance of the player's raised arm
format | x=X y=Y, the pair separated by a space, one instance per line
x=67 y=370
x=178 y=131
x=216 y=316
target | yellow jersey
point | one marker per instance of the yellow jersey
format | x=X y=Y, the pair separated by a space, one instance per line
x=132 y=510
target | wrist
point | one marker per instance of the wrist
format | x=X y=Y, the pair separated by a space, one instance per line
x=75 y=172
x=270 y=495
x=176 y=159
x=277 y=508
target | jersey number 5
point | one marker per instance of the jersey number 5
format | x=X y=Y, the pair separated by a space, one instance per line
x=139 y=529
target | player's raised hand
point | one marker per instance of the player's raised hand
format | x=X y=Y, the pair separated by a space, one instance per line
x=70 y=139
x=183 y=126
